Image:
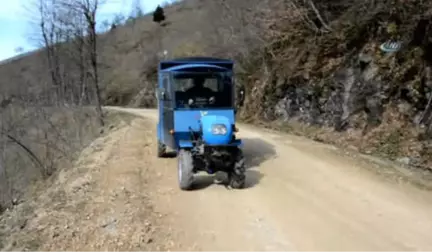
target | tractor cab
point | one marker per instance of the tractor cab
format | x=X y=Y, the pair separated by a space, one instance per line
x=203 y=87
x=189 y=89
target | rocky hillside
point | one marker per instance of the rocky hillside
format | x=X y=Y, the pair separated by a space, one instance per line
x=340 y=80
x=315 y=67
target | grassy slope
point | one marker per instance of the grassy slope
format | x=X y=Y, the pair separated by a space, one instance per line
x=55 y=136
x=126 y=54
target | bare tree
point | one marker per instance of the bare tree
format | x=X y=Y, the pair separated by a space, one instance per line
x=29 y=152
x=35 y=136
x=68 y=31
x=50 y=35
x=137 y=11
x=88 y=9
x=237 y=27
x=74 y=26
x=5 y=187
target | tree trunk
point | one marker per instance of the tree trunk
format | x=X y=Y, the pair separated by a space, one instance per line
x=94 y=63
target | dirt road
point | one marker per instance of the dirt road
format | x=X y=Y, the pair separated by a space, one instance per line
x=300 y=195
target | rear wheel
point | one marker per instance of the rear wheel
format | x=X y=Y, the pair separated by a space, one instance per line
x=161 y=151
x=185 y=169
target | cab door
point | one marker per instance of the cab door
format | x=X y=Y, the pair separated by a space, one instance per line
x=167 y=111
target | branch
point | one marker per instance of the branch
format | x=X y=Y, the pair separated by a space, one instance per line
x=324 y=24
x=28 y=151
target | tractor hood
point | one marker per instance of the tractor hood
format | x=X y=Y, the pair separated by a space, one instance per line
x=185 y=119
x=216 y=129
x=216 y=125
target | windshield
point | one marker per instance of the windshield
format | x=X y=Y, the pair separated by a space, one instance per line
x=202 y=90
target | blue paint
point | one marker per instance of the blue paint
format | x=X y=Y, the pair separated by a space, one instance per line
x=183 y=119
x=184 y=144
x=166 y=64
x=159 y=131
x=195 y=119
x=186 y=66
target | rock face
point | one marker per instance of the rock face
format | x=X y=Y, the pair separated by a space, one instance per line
x=146 y=98
x=355 y=89
x=377 y=103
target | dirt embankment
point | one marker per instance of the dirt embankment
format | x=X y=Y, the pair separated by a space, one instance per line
x=102 y=203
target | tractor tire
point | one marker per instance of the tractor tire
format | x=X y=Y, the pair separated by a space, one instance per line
x=237 y=181
x=185 y=170
x=237 y=178
x=161 y=151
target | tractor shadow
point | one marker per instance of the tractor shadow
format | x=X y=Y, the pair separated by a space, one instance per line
x=202 y=181
x=256 y=151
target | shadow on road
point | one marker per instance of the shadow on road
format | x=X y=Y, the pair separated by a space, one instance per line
x=256 y=151
x=202 y=181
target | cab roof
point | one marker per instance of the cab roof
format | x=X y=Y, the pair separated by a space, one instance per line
x=195 y=62
x=199 y=59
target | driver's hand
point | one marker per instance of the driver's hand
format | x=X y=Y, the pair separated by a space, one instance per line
x=190 y=102
x=212 y=100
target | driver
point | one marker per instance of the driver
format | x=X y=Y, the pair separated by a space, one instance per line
x=198 y=89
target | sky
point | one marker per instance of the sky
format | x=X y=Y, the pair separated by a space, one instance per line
x=16 y=28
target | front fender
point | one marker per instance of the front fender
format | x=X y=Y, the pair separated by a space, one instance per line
x=209 y=138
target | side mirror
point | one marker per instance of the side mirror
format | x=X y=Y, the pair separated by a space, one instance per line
x=242 y=95
x=240 y=100
x=161 y=95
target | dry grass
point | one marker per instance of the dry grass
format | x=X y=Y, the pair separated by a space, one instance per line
x=96 y=205
x=53 y=135
x=77 y=128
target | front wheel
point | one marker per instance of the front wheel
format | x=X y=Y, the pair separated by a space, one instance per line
x=237 y=178
x=185 y=169
x=237 y=181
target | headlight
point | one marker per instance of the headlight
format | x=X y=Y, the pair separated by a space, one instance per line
x=219 y=129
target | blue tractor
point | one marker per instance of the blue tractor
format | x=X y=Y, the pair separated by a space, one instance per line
x=196 y=105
